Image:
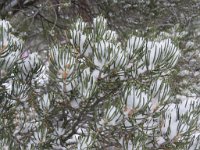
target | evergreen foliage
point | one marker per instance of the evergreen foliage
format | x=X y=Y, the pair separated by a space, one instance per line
x=93 y=93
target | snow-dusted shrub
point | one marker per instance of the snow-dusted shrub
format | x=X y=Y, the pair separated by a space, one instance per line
x=95 y=93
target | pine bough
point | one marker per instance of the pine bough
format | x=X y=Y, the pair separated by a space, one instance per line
x=93 y=93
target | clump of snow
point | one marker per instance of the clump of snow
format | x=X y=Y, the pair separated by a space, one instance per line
x=113 y=116
x=100 y=23
x=184 y=73
x=134 y=98
x=78 y=40
x=190 y=45
x=110 y=35
x=84 y=143
x=88 y=84
x=160 y=140
x=9 y=60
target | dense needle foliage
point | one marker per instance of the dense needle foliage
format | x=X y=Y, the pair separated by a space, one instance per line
x=93 y=93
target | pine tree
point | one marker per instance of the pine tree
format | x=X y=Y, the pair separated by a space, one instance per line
x=94 y=92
